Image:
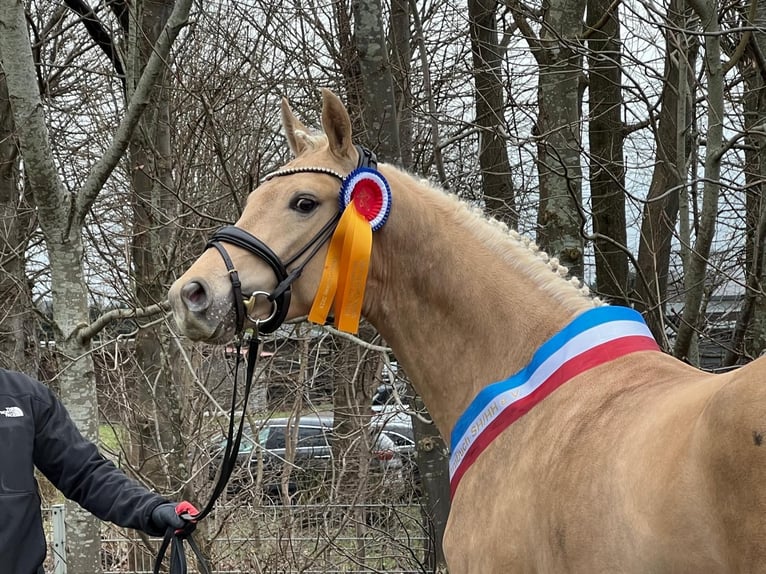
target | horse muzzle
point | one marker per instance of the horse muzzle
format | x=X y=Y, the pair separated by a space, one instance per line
x=218 y=308
x=201 y=311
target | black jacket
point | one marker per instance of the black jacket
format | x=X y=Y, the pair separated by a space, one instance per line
x=36 y=430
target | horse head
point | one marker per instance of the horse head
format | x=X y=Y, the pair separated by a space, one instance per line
x=265 y=269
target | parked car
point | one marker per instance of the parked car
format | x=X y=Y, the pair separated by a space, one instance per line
x=313 y=456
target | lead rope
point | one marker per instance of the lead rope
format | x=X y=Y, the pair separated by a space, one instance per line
x=174 y=538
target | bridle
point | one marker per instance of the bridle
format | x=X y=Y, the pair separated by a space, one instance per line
x=280 y=296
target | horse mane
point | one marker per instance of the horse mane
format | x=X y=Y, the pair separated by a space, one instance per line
x=519 y=251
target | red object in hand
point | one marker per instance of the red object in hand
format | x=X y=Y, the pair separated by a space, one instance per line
x=187 y=510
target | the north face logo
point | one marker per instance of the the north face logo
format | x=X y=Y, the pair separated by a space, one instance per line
x=12 y=412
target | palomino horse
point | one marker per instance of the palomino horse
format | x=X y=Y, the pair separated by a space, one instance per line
x=596 y=453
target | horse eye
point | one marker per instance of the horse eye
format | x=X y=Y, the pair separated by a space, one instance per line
x=304 y=204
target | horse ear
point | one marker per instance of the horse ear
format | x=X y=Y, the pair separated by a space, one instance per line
x=294 y=129
x=337 y=126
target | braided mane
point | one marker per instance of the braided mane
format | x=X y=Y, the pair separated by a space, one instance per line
x=521 y=252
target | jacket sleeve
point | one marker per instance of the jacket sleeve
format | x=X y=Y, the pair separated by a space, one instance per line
x=76 y=467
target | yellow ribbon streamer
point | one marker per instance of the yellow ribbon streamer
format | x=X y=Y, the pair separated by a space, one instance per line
x=325 y=294
x=354 y=264
x=344 y=277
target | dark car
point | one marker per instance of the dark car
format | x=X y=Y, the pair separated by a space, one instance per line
x=312 y=461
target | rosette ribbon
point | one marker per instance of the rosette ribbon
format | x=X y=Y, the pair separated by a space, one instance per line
x=365 y=202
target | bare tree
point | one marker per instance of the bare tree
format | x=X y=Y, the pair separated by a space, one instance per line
x=660 y=212
x=158 y=422
x=607 y=165
x=497 y=186
x=558 y=53
x=714 y=149
x=748 y=339
x=62 y=215
x=401 y=68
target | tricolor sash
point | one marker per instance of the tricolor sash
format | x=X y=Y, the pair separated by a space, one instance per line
x=594 y=337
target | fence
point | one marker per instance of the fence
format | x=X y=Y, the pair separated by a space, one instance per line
x=386 y=538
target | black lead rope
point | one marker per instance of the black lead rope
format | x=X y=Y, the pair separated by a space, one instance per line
x=174 y=538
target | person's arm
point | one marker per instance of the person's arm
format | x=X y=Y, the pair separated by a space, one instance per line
x=76 y=467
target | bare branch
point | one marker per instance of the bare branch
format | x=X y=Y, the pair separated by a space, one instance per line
x=86 y=332
x=743 y=41
x=138 y=103
x=526 y=30
x=24 y=94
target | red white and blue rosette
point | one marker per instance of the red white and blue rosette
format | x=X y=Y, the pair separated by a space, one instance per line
x=370 y=193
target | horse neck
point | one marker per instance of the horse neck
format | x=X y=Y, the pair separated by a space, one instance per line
x=444 y=294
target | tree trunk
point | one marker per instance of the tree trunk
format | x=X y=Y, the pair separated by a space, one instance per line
x=558 y=126
x=156 y=434
x=18 y=339
x=695 y=273
x=433 y=468
x=497 y=186
x=401 y=55
x=356 y=370
x=379 y=101
x=749 y=336
x=607 y=167
x=660 y=211
x=77 y=381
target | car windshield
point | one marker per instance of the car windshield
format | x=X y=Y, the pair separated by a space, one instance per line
x=248 y=443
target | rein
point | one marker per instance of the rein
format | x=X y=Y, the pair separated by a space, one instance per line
x=174 y=539
x=244 y=307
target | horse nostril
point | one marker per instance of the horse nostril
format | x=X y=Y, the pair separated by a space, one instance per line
x=195 y=296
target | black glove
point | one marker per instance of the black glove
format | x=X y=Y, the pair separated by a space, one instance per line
x=168 y=515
